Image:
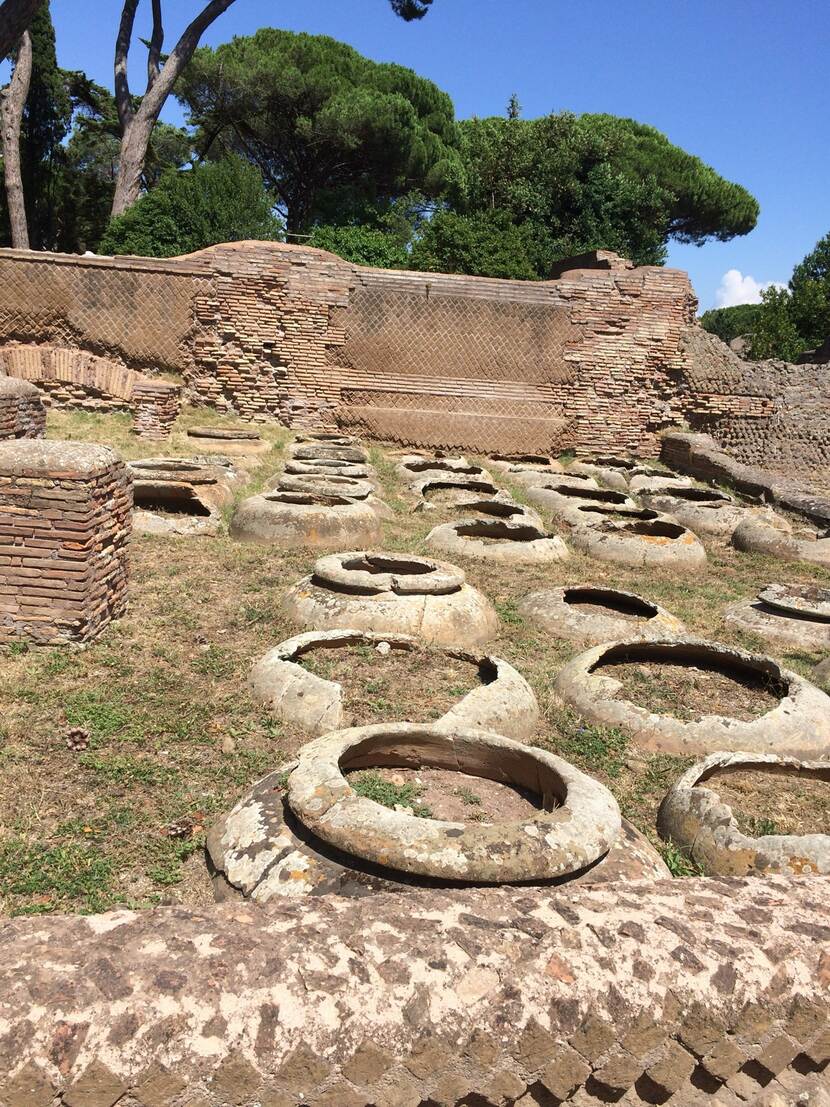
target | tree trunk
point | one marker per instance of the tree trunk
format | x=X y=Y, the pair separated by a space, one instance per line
x=134 y=144
x=137 y=126
x=13 y=100
x=15 y=17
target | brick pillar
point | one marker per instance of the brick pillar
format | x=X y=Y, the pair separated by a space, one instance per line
x=65 y=521
x=22 y=414
x=155 y=406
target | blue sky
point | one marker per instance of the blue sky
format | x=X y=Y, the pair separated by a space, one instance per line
x=741 y=83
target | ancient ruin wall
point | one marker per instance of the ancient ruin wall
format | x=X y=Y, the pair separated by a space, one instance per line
x=767 y=413
x=271 y=331
x=686 y=992
x=65 y=521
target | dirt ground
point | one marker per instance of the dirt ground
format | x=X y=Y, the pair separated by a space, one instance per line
x=402 y=686
x=457 y=797
x=173 y=735
x=767 y=803
x=689 y=692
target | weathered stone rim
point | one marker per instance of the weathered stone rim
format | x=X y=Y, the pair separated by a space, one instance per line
x=692 y=652
x=561 y=839
x=696 y=818
x=786 y=598
x=502 y=701
x=375 y=571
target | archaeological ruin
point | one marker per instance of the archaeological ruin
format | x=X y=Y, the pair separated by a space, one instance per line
x=336 y=823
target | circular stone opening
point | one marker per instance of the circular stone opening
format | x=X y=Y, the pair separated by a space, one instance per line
x=307 y=499
x=773 y=798
x=445 y=794
x=573 y=821
x=498 y=531
x=442 y=491
x=601 y=495
x=380 y=685
x=614 y=463
x=386 y=563
x=523 y=459
x=624 y=513
x=444 y=466
x=169 y=498
x=599 y=600
x=385 y=750
x=655 y=529
x=693 y=680
x=497 y=508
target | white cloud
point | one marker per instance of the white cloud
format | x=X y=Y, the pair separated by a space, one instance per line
x=735 y=288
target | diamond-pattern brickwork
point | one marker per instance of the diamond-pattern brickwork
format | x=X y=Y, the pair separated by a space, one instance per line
x=135 y=310
x=471 y=998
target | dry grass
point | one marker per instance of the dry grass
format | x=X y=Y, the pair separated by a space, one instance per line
x=175 y=737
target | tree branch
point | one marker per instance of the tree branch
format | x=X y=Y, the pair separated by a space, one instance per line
x=181 y=54
x=15 y=17
x=156 y=42
x=123 y=100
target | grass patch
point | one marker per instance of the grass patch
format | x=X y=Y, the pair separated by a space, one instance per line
x=372 y=786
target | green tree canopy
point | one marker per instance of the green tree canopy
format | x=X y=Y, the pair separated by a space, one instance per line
x=486 y=244
x=330 y=131
x=730 y=322
x=192 y=209
x=797 y=318
x=597 y=182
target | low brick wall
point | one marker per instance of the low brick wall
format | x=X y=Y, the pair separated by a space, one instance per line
x=22 y=414
x=78 y=379
x=683 y=992
x=65 y=519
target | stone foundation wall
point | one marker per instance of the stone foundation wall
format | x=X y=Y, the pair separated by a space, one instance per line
x=22 y=414
x=683 y=992
x=765 y=413
x=65 y=518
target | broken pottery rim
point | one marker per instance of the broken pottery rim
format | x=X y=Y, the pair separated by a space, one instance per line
x=516 y=541
x=498 y=677
x=346 y=572
x=553 y=843
x=688 y=800
x=780 y=597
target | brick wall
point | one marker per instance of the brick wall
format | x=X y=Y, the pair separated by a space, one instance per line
x=22 y=414
x=74 y=378
x=65 y=519
x=601 y=358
